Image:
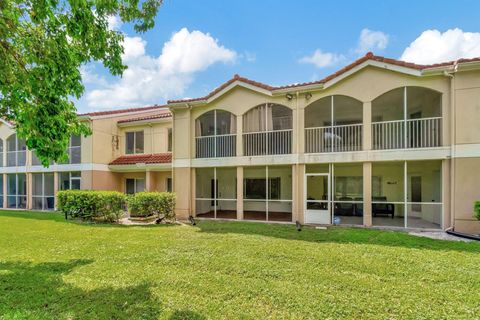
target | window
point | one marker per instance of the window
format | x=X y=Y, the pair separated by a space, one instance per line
x=170 y=140
x=16 y=191
x=169 y=185
x=134 y=142
x=133 y=186
x=69 y=180
x=256 y=188
x=1 y=190
x=75 y=149
x=16 y=151
x=42 y=191
x=1 y=153
x=267 y=193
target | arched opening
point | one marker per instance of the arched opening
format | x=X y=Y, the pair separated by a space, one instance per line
x=267 y=130
x=333 y=124
x=215 y=134
x=407 y=117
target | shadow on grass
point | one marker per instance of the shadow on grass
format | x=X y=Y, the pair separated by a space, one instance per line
x=37 y=291
x=336 y=235
x=60 y=217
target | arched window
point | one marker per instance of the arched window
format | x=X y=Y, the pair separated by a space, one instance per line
x=407 y=117
x=333 y=124
x=267 y=130
x=215 y=133
x=16 y=151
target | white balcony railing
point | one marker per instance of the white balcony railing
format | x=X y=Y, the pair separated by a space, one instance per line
x=267 y=142
x=333 y=139
x=216 y=146
x=411 y=133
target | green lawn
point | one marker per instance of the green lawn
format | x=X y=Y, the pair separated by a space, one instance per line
x=53 y=269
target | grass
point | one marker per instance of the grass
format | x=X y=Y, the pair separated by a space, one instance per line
x=54 y=269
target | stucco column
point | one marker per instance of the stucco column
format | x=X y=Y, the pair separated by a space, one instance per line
x=240 y=193
x=5 y=203
x=193 y=192
x=301 y=129
x=182 y=177
x=239 y=135
x=299 y=176
x=55 y=189
x=148 y=180
x=367 y=126
x=29 y=191
x=367 y=194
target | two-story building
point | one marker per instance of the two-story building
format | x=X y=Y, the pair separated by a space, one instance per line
x=379 y=143
x=128 y=151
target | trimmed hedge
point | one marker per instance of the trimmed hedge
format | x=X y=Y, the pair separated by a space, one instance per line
x=92 y=204
x=476 y=209
x=147 y=204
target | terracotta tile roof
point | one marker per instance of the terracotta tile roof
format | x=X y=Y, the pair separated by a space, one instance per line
x=368 y=56
x=104 y=113
x=152 y=117
x=226 y=84
x=143 y=158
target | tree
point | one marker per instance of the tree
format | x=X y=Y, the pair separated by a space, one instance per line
x=43 y=44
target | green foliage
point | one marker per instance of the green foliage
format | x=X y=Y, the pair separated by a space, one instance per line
x=43 y=44
x=146 y=204
x=92 y=204
x=476 y=209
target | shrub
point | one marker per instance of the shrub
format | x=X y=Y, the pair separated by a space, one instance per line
x=476 y=209
x=91 y=204
x=147 y=204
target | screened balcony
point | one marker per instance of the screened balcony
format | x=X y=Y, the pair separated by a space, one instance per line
x=334 y=124
x=407 y=117
x=215 y=135
x=267 y=130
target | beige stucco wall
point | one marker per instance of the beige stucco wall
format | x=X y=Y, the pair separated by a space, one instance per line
x=466 y=191
x=467 y=105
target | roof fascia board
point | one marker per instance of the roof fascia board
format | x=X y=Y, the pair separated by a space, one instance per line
x=144 y=122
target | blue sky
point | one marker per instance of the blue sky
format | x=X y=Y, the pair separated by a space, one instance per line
x=197 y=45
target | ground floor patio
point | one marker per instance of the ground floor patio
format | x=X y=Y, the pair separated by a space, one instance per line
x=404 y=194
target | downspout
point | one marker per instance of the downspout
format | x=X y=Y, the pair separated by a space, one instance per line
x=452 y=141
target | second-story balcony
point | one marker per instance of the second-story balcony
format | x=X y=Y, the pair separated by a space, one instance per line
x=411 y=133
x=215 y=135
x=267 y=130
x=406 y=118
x=333 y=139
x=267 y=142
x=217 y=146
x=334 y=124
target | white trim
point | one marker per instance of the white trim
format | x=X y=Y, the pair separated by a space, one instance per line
x=143 y=122
x=6 y=123
x=140 y=167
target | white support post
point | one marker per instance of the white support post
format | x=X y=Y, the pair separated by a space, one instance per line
x=405 y=189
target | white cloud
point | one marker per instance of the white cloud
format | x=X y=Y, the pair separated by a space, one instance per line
x=114 y=23
x=134 y=47
x=370 y=41
x=150 y=79
x=433 y=46
x=322 y=59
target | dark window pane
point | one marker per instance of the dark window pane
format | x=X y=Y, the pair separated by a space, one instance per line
x=37 y=188
x=11 y=184
x=21 y=158
x=22 y=184
x=48 y=184
x=129 y=142
x=75 y=141
x=130 y=186
x=75 y=155
x=75 y=184
x=139 y=142
x=64 y=180
x=37 y=203
x=169 y=148
x=255 y=189
x=11 y=202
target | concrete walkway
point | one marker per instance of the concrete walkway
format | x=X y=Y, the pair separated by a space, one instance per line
x=439 y=235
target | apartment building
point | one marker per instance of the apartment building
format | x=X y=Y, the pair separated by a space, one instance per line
x=128 y=151
x=381 y=142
